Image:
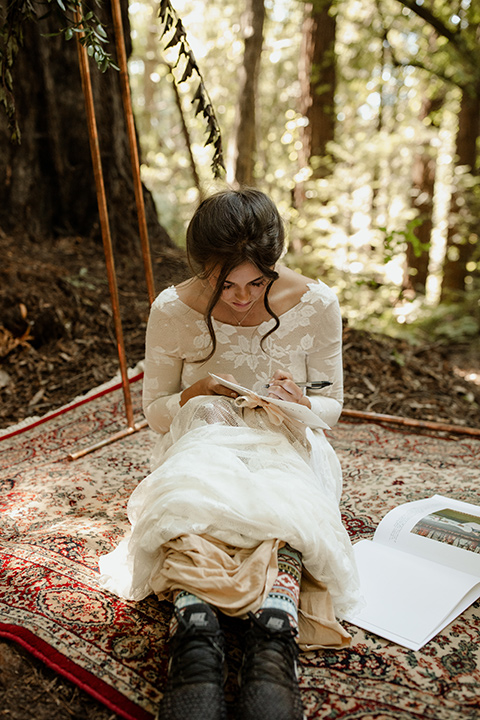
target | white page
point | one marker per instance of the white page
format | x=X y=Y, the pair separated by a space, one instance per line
x=400 y=528
x=294 y=410
x=408 y=599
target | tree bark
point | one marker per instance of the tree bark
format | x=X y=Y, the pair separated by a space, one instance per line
x=416 y=262
x=317 y=75
x=48 y=186
x=244 y=151
x=460 y=248
x=423 y=181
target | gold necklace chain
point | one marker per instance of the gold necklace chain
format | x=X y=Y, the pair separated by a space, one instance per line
x=239 y=322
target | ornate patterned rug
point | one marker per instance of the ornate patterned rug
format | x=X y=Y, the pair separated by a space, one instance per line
x=58 y=516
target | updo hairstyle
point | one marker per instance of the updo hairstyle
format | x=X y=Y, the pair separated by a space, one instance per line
x=230 y=228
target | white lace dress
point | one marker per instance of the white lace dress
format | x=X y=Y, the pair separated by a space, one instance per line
x=227 y=472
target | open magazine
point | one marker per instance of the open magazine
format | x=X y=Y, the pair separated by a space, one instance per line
x=298 y=412
x=420 y=570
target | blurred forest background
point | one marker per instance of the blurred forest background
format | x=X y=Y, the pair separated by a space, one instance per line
x=360 y=118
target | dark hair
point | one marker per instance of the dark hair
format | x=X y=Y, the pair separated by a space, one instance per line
x=228 y=229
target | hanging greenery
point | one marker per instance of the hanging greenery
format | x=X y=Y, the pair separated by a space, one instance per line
x=171 y=22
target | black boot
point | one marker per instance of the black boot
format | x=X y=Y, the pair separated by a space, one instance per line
x=196 y=668
x=268 y=678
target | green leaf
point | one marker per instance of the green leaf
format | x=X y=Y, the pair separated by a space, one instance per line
x=100 y=38
x=187 y=72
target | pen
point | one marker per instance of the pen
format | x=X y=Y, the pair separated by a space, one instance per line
x=312 y=385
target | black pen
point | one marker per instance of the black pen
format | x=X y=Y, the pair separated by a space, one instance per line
x=312 y=385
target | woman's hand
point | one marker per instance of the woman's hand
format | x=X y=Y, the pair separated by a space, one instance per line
x=282 y=386
x=208 y=386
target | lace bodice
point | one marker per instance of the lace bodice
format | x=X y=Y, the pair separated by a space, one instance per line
x=307 y=343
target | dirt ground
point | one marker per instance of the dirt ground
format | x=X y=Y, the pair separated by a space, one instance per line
x=57 y=341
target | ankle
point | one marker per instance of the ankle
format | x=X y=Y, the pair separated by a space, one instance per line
x=182 y=602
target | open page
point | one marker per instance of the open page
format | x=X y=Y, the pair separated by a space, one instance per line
x=420 y=571
x=408 y=599
x=294 y=410
x=439 y=528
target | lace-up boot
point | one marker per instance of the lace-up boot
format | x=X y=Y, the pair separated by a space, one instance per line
x=268 y=678
x=196 y=669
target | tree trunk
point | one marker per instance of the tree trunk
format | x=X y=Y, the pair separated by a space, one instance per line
x=244 y=150
x=423 y=181
x=417 y=258
x=49 y=186
x=460 y=248
x=317 y=75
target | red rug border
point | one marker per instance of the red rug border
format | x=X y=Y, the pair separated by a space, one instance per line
x=75 y=404
x=86 y=681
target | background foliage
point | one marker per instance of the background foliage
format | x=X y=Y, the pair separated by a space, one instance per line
x=355 y=225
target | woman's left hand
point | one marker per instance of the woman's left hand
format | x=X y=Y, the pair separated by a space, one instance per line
x=282 y=386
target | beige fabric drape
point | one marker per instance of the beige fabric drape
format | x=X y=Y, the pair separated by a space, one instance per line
x=237 y=581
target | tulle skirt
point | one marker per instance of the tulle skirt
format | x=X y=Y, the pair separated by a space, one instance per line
x=228 y=473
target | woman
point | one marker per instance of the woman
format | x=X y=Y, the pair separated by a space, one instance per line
x=240 y=514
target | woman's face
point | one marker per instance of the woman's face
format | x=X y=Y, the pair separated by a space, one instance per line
x=242 y=287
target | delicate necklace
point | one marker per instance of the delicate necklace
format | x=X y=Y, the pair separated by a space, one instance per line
x=239 y=322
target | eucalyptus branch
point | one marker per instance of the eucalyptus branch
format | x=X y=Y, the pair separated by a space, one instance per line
x=171 y=22
x=92 y=32
x=18 y=12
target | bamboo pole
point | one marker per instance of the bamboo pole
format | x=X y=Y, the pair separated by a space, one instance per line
x=132 y=138
x=103 y=214
x=411 y=422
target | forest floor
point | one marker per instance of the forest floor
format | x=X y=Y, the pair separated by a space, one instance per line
x=57 y=342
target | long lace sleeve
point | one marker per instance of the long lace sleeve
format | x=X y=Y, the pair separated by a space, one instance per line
x=324 y=360
x=163 y=365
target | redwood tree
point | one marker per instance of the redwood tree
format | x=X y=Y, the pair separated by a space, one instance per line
x=462 y=236
x=423 y=182
x=244 y=149
x=317 y=75
x=46 y=182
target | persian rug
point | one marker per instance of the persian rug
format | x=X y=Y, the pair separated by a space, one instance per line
x=58 y=516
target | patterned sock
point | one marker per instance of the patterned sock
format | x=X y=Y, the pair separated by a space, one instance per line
x=285 y=592
x=181 y=601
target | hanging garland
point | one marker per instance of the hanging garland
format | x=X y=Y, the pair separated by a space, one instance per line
x=171 y=21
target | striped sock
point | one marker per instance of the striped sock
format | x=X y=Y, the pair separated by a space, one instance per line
x=182 y=600
x=285 y=592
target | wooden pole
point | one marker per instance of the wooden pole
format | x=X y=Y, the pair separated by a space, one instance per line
x=103 y=213
x=108 y=440
x=411 y=422
x=132 y=138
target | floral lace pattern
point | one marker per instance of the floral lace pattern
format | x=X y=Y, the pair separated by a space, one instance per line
x=307 y=343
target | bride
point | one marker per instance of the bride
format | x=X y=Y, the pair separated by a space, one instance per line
x=240 y=512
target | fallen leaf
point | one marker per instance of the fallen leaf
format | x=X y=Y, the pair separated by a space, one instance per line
x=5 y=379
x=37 y=397
x=9 y=342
